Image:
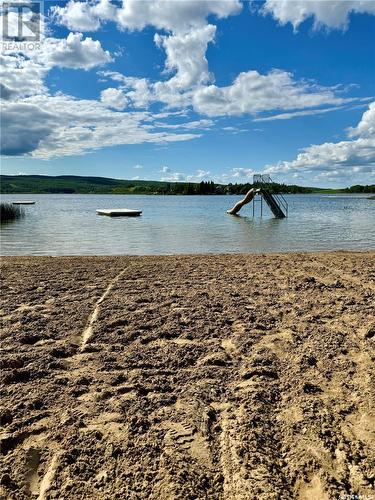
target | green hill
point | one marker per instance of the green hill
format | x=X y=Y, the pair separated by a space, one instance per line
x=33 y=184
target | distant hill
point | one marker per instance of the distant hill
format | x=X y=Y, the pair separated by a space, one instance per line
x=74 y=184
x=34 y=184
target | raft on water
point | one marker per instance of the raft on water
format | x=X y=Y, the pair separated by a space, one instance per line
x=21 y=202
x=119 y=212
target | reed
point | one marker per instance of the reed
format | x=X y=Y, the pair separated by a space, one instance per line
x=9 y=212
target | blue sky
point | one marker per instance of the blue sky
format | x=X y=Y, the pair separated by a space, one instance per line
x=195 y=90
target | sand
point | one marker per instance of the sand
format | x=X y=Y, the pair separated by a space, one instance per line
x=188 y=377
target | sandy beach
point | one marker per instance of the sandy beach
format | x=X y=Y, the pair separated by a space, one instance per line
x=188 y=377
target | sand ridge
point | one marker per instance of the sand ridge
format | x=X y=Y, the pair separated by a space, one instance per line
x=218 y=376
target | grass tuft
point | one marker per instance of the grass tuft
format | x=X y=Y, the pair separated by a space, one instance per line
x=9 y=212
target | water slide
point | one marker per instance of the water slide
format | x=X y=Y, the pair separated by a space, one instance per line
x=275 y=203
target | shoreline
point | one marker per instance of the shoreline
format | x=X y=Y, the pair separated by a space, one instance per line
x=188 y=376
x=193 y=255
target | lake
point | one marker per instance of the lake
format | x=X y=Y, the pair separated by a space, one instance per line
x=68 y=225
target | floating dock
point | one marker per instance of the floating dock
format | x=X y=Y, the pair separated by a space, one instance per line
x=26 y=202
x=119 y=212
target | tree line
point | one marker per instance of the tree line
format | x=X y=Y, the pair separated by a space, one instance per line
x=101 y=185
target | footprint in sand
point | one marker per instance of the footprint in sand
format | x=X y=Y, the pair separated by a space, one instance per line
x=239 y=327
x=32 y=464
x=180 y=434
x=184 y=437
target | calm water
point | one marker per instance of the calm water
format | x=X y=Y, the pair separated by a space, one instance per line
x=68 y=225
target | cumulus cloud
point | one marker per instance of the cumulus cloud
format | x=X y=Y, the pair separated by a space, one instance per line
x=21 y=76
x=191 y=84
x=331 y=14
x=73 y=52
x=252 y=92
x=45 y=126
x=169 y=176
x=137 y=90
x=235 y=175
x=24 y=126
x=135 y=15
x=201 y=174
x=41 y=125
x=242 y=172
x=186 y=55
x=174 y=177
x=114 y=98
x=22 y=73
x=350 y=156
x=84 y=125
x=366 y=127
x=83 y=16
x=185 y=59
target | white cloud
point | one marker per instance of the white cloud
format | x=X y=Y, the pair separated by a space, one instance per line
x=23 y=127
x=21 y=76
x=137 y=91
x=75 y=51
x=174 y=177
x=40 y=125
x=138 y=167
x=235 y=175
x=113 y=75
x=170 y=176
x=23 y=73
x=295 y=114
x=201 y=174
x=72 y=52
x=253 y=93
x=250 y=93
x=242 y=172
x=350 y=156
x=235 y=130
x=366 y=127
x=186 y=55
x=114 y=98
x=165 y=170
x=77 y=16
x=196 y=124
x=332 y=13
x=175 y=16
x=45 y=126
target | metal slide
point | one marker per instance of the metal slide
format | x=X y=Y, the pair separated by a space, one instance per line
x=276 y=201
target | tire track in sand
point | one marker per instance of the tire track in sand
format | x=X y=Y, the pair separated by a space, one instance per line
x=48 y=478
x=87 y=332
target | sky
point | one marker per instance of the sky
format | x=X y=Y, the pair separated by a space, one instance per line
x=191 y=90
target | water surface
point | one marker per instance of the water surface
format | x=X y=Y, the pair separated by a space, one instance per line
x=67 y=224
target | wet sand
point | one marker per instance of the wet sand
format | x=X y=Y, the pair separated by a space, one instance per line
x=188 y=377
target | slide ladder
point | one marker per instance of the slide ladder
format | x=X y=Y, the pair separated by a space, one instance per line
x=276 y=201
